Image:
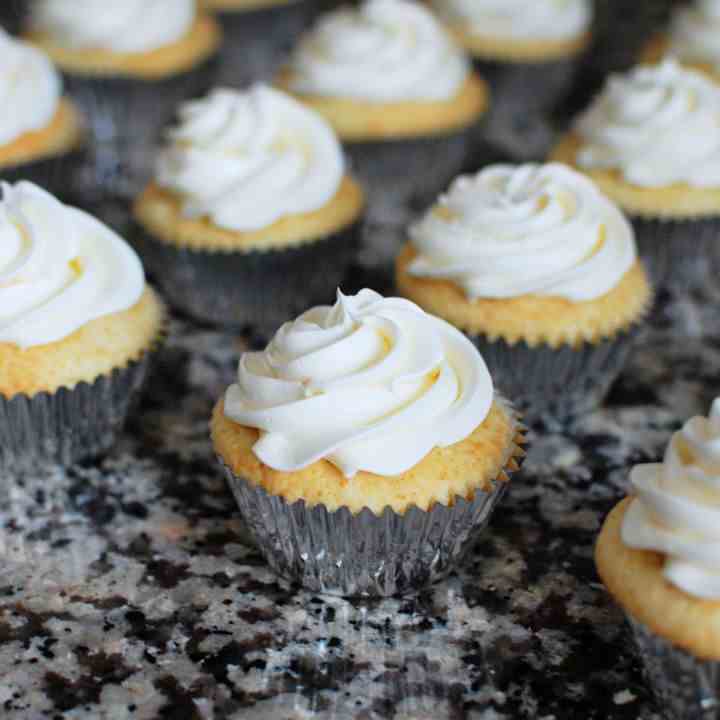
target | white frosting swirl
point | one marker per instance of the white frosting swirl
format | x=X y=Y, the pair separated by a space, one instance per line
x=695 y=33
x=60 y=268
x=247 y=159
x=30 y=89
x=370 y=384
x=123 y=26
x=384 y=51
x=528 y=229
x=518 y=19
x=658 y=125
x=677 y=508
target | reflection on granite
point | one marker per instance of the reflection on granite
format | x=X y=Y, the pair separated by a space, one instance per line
x=128 y=590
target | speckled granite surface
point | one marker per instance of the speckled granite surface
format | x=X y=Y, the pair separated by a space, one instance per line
x=127 y=590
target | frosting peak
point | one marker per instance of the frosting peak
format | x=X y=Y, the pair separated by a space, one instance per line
x=60 y=268
x=526 y=229
x=658 y=125
x=126 y=26
x=384 y=51
x=695 y=33
x=370 y=384
x=247 y=159
x=677 y=508
x=30 y=89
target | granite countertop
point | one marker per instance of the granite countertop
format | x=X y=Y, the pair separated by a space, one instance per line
x=128 y=590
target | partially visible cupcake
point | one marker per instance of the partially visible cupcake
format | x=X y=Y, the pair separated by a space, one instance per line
x=528 y=51
x=365 y=446
x=659 y=557
x=397 y=90
x=251 y=215
x=77 y=327
x=258 y=35
x=651 y=142
x=41 y=132
x=693 y=38
x=128 y=64
x=539 y=270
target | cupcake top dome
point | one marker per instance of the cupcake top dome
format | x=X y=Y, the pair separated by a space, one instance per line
x=247 y=159
x=695 y=33
x=676 y=511
x=657 y=125
x=60 y=268
x=382 y=51
x=515 y=230
x=30 y=88
x=370 y=384
x=130 y=26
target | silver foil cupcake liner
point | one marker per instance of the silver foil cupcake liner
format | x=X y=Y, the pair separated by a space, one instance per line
x=256 y=42
x=257 y=290
x=680 y=255
x=70 y=424
x=125 y=117
x=554 y=386
x=364 y=554
x=686 y=687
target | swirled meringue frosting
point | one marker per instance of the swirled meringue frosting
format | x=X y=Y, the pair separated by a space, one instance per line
x=60 y=268
x=518 y=19
x=676 y=511
x=383 y=51
x=30 y=89
x=248 y=159
x=658 y=125
x=695 y=33
x=370 y=384
x=515 y=230
x=126 y=26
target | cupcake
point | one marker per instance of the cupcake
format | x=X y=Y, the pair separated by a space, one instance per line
x=399 y=93
x=41 y=132
x=539 y=270
x=529 y=52
x=251 y=215
x=258 y=35
x=659 y=557
x=365 y=446
x=77 y=327
x=693 y=38
x=128 y=64
x=651 y=142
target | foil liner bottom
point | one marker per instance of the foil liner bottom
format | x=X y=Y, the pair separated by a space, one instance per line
x=259 y=290
x=679 y=254
x=70 y=424
x=364 y=554
x=555 y=386
x=686 y=687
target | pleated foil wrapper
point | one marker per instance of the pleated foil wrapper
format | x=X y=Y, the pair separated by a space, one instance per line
x=686 y=687
x=61 y=427
x=126 y=117
x=258 y=290
x=364 y=554
x=681 y=255
x=256 y=42
x=555 y=386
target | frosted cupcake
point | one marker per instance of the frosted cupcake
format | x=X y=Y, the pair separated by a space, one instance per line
x=365 y=446
x=128 y=64
x=539 y=270
x=659 y=556
x=251 y=215
x=77 y=327
x=41 y=132
x=528 y=51
x=651 y=142
x=258 y=35
x=399 y=93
